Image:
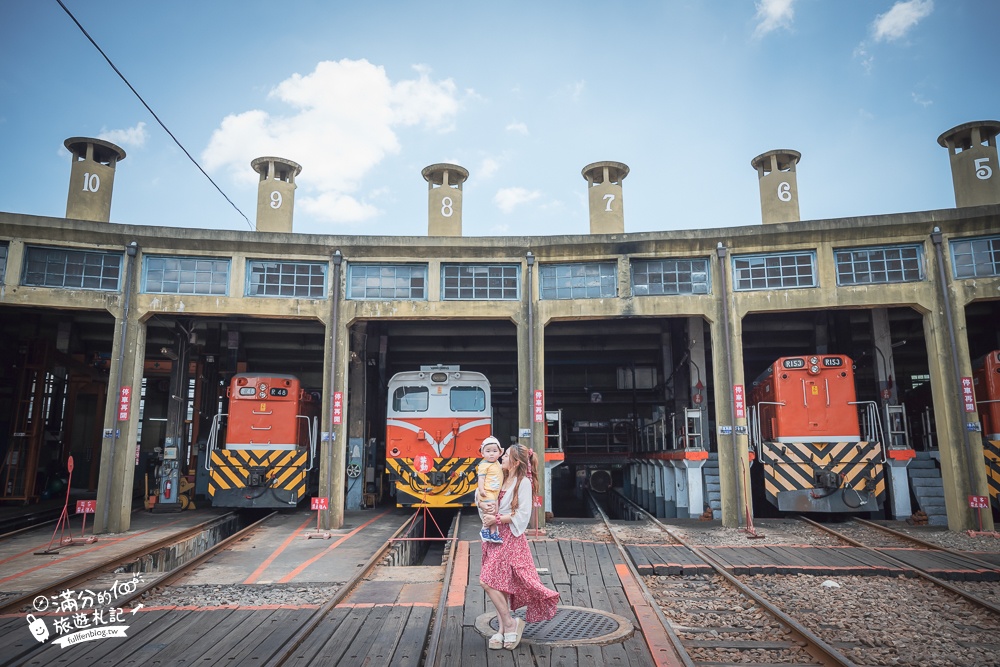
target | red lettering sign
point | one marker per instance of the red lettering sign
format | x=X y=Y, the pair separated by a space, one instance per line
x=739 y=401
x=979 y=502
x=124 y=401
x=968 y=397
x=338 y=407
x=320 y=504
x=86 y=506
x=423 y=463
x=539 y=405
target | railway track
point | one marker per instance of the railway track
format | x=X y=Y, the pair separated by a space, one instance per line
x=715 y=616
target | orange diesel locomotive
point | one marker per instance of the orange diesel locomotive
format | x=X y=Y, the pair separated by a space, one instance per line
x=986 y=379
x=269 y=448
x=806 y=434
x=436 y=418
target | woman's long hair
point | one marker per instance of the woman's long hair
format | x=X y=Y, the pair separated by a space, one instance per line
x=523 y=464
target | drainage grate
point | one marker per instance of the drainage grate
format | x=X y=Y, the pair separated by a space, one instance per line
x=570 y=626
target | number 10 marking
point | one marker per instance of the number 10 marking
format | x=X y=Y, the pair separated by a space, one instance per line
x=91 y=182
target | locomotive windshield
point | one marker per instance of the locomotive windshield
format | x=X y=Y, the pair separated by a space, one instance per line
x=410 y=399
x=468 y=399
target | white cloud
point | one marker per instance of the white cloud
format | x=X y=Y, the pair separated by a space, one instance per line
x=134 y=137
x=341 y=123
x=903 y=16
x=519 y=128
x=773 y=14
x=507 y=199
x=488 y=167
x=867 y=60
x=921 y=100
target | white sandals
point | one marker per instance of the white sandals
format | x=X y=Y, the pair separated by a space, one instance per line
x=496 y=641
x=512 y=639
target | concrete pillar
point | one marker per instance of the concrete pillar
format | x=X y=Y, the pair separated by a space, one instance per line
x=698 y=368
x=444 y=198
x=92 y=178
x=681 y=489
x=882 y=339
x=333 y=440
x=531 y=371
x=604 y=180
x=275 y=193
x=657 y=506
x=694 y=484
x=779 y=190
x=119 y=442
x=356 y=414
x=899 y=488
x=669 y=490
x=973 y=150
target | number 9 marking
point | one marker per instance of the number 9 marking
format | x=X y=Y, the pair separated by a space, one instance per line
x=275 y=199
x=784 y=191
x=983 y=171
x=447 y=207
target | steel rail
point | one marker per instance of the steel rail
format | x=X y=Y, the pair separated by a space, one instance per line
x=434 y=643
x=928 y=545
x=675 y=641
x=70 y=580
x=971 y=597
x=295 y=641
x=814 y=645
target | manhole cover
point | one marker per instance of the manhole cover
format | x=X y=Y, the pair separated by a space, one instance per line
x=571 y=626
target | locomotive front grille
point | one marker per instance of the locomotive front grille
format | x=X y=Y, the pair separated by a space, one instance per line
x=258 y=469
x=451 y=482
x=813 y=471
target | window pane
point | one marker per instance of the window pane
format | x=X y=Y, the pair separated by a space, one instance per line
x=185 y=275
x=761 y=272
x=596 y=280
x=669 y=276
x=72 y=269
x=306 y=280
x=387 y=281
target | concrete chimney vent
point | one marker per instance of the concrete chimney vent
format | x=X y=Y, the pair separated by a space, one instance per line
x=444 y=198
x=275 y=193
x=779 y=190
x=973 y=151
x=607 y=210
x=92 y=178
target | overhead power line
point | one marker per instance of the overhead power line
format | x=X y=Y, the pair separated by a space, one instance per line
x=153 y=113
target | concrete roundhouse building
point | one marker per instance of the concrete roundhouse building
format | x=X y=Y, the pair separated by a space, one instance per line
x=617 y=354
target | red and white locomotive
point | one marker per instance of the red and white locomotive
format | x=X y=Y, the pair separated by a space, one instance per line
x=436 y=418
x=806 y=432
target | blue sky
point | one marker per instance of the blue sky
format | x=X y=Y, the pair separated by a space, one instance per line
x=523 y=95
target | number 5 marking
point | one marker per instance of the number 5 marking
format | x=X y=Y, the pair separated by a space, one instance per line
x=610 y=198
x=983 y=171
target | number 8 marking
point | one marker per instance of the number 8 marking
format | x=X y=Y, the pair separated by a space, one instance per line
x=446 y=207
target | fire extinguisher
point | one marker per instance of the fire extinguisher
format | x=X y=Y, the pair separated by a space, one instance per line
x=167 y=488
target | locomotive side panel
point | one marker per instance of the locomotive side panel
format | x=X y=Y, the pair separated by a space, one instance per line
x=986 y=380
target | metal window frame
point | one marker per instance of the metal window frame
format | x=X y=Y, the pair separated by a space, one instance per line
x=470 y=287
x=665 y=270
x=879 y=275
x=387 y=291
x=4 y=250
x=576 y=280
x=264 y=285
x=764 y=267
x=993 y=248
x=200 y=271
x=85 y=265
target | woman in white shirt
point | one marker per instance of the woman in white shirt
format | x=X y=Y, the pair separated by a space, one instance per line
x=508 y=572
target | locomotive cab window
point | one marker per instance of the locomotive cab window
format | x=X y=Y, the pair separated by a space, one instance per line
x=468 y=399
x=410 y=399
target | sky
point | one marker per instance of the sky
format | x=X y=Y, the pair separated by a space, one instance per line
x=523 y=95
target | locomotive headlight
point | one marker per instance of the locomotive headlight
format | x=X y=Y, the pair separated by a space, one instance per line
x=814 y=369
x=813 y=361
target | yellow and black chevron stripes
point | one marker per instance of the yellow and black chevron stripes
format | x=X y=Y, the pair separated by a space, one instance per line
x=282 y=470
x=450 y=483
x=791 y=466
x=991 y=450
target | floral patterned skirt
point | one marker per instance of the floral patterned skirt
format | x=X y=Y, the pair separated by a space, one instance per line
x=509 y=568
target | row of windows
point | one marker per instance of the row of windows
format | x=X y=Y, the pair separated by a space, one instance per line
x=82 y=269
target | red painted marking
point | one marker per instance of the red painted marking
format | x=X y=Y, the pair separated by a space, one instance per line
x=660 y=646
x=459 y=576
x=901 y=454
x=255 y=575
x=291 y=575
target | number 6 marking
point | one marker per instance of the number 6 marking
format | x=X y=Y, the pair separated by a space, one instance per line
x=784 y=191
x=275 y=199
x=446 y=207
x=92 y=182
x=609 y=198
x=983 y=170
